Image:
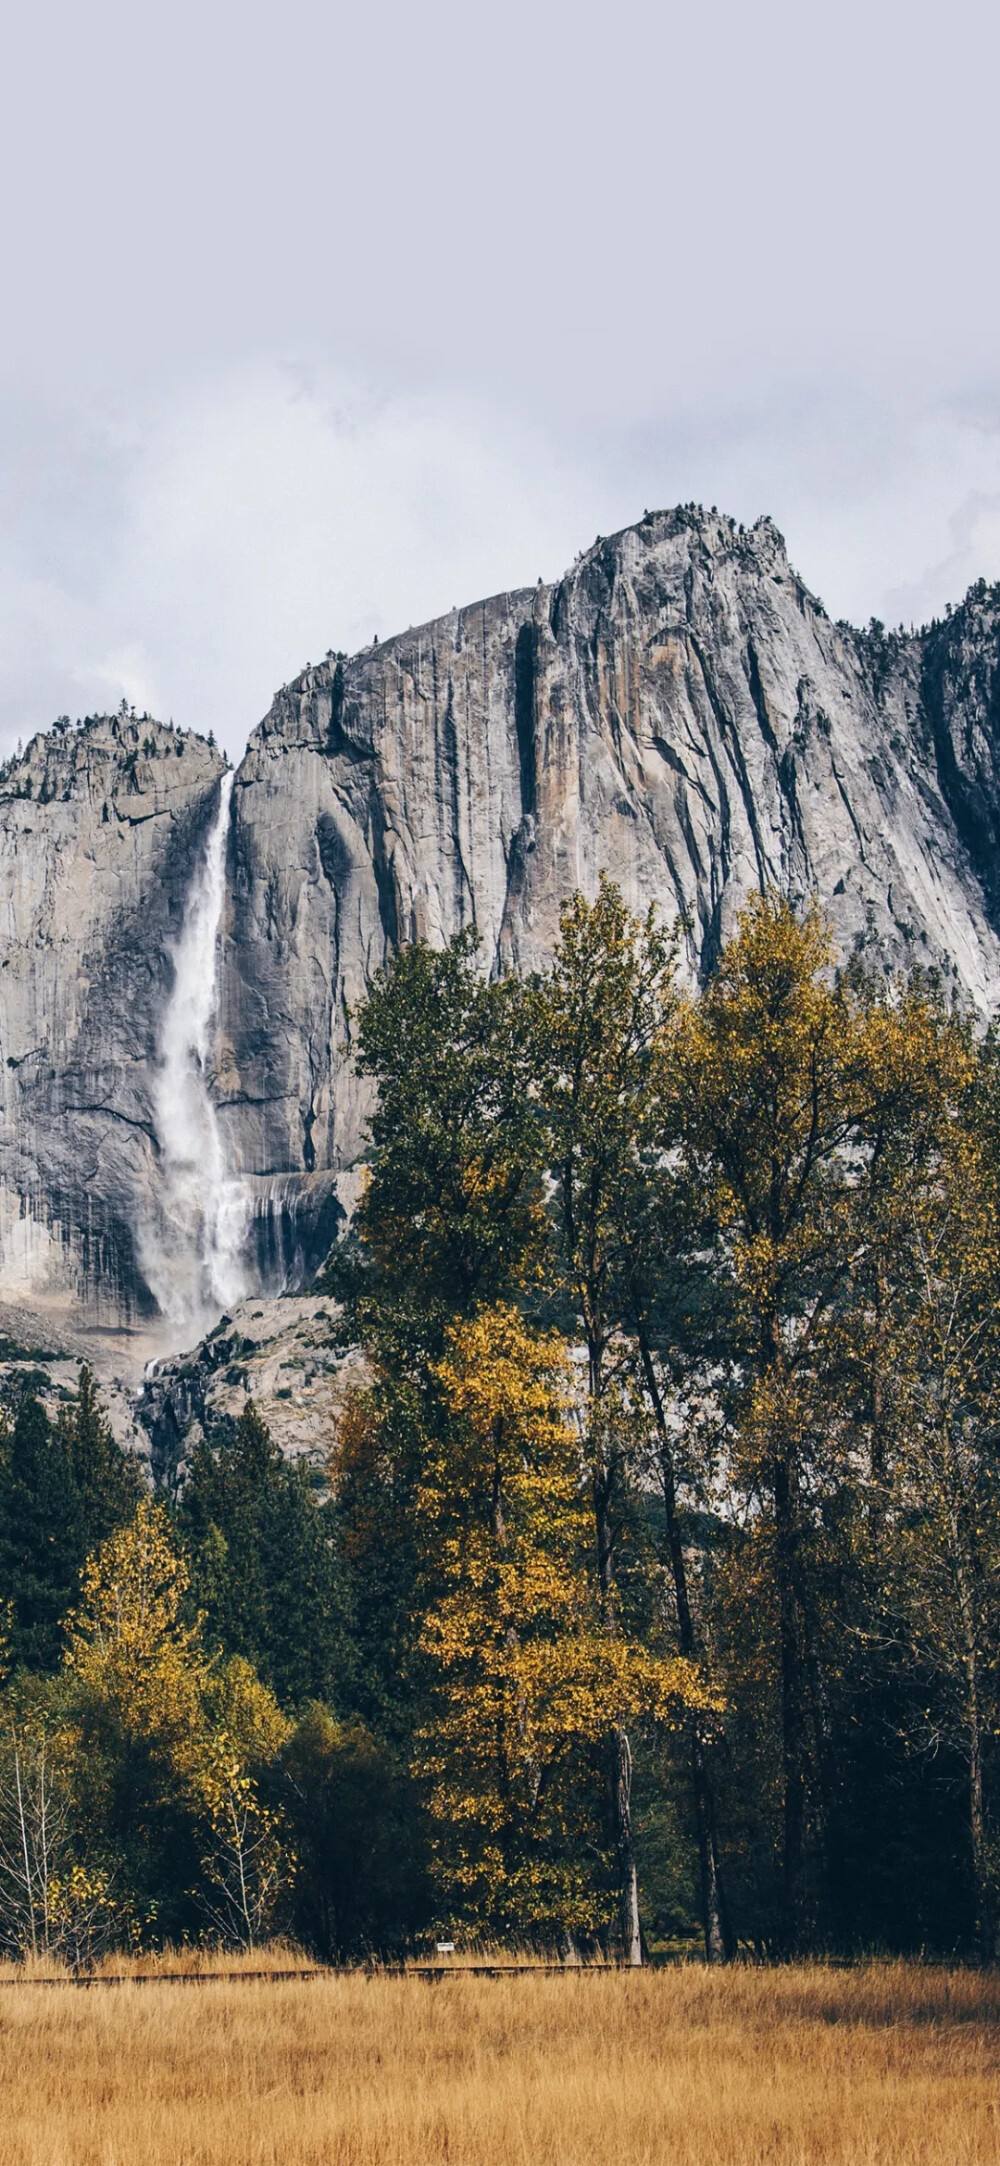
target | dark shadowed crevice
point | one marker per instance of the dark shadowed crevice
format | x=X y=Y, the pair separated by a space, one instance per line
x=334 y=855
x=525 y=659
x=335 y=733
x=344 y=718
x=464 y=898
x=966 y=770
x=384 y=879
x=730 y=740
x=760 y=703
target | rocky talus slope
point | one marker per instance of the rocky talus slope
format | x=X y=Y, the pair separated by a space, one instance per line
x=678 y=710
x=282 y=1354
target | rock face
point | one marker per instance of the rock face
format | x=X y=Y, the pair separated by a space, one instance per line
x=678 y=711
x=99 y=830
x=282 y=1354
x=47 y=1363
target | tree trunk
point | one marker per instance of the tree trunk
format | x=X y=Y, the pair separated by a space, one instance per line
x=826 y=1831
x=628 y=1880
x=977 y=1826
x=792 y=1722
x=974 y=1735
x=718 y=1947
x=619 y=1750
x=713 y=1911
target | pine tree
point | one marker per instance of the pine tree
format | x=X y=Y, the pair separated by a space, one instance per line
x=263 y=1565
x=107 y=1478
x=42 y=1537
x=376 y=1462
x=361 y=1880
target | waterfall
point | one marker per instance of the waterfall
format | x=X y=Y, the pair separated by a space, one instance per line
x=191 y=1239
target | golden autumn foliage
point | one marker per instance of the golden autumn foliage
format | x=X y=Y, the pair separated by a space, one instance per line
x=128 y=1642
x=211 y=1726
x=733 y=1531
x=248 y=1858
x=525 y=1679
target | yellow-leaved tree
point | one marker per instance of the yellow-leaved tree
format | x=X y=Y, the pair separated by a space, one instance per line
x=524 y=1679
x=178 y=1738
x=809 y=1108
x=129 y=1645
x=247 y=1859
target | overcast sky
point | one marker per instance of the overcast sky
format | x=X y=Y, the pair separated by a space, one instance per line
x=318 y=320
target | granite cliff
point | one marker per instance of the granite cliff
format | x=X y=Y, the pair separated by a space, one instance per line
x=99 y=829
x=678 y=709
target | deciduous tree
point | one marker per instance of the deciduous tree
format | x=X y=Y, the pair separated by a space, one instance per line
x=604 y=1021
x=525 y=1680
x=451 y=1216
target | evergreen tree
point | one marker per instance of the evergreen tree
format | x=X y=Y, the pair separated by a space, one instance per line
x=42 y=1537
x=452 y=1216
x=361 y=1879
x=107 y=1478
x=376 y=1464
x=263 y=1565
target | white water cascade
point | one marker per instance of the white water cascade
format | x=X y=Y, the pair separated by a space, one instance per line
x=192 y=1234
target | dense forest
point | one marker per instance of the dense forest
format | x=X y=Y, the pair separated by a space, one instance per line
x=649 y=1596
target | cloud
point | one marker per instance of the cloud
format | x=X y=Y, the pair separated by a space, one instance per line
x=887 y=501
x=192 y=554
x=916 y=531
x=265 y=518
x=974 y=531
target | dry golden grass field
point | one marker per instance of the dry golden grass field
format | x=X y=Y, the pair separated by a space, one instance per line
x=673 y=2068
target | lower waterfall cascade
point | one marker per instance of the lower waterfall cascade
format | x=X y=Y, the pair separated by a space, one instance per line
x=192 y=1236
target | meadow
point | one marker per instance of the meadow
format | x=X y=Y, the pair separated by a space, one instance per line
x=875 y=2066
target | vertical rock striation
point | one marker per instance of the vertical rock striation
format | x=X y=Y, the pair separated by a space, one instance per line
x=678 y=711
x=99 y=831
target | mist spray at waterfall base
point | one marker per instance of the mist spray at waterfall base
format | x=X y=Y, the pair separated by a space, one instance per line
x=191 y=1239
